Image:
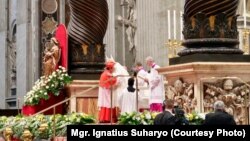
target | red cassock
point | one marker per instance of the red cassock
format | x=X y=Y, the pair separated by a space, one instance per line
x=104 y=97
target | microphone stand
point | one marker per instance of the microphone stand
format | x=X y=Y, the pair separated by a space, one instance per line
x=111 y=104
x=137 y=99
x=136 y=90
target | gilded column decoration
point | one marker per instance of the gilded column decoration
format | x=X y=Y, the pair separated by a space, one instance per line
x=234 y=94
x=49 y=25
x=183 y=95
x=87 y=28
x=210 y=26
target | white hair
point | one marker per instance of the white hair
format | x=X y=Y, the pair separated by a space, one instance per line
x=149 y=58
x=219 y=105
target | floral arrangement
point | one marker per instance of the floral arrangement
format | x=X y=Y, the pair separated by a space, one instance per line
x=136 y=118
x=45 y=85
x=195 y=118
x=41 y=126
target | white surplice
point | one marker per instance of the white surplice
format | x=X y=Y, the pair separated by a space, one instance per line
x=127 y=101
x=156 y=84
x=144 y=92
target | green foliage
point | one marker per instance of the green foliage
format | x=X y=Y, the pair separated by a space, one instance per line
x=135 y=118
x=195 y=118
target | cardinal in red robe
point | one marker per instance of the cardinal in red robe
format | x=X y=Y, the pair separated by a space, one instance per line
x=107 y=81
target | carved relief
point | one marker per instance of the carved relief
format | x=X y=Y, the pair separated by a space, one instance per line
x=234 y=94
x=93 y=53
x=218 y=26
x=49 y=6
x=49 y=25
x=183 y=95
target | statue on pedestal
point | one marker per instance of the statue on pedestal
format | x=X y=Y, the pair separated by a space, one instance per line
x=130 y=22
x=51 y=57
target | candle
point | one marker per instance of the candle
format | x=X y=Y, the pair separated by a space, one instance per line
x=18 y=100
x=244 y=14
x=174 y=14
x=181 y=23
x=169 y=25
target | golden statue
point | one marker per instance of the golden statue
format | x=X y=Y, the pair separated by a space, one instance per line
x=8 y=134
x=27 y=135
x=51 y=57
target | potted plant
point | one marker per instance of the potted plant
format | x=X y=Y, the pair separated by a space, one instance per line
x=46 y=92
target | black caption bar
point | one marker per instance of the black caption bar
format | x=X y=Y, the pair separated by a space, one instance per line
x=153 y=132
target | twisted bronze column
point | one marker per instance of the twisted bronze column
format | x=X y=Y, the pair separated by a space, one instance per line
x=87 y=28
x=210 y=26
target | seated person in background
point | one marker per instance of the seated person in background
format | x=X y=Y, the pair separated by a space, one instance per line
x=127 y=99
x=219 y=116
x=166 y=117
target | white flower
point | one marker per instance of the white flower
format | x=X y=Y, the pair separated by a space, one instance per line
x=144 y=122
x=30 y=100
x=78 y=120
x=47 y=87
x=36 y=82
x=202 y=115
x=64 y=71
x=138 y=118
x=54 y=73
x=45 y=93
x=148 y=116
x=34 y=87
x=52 y=85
